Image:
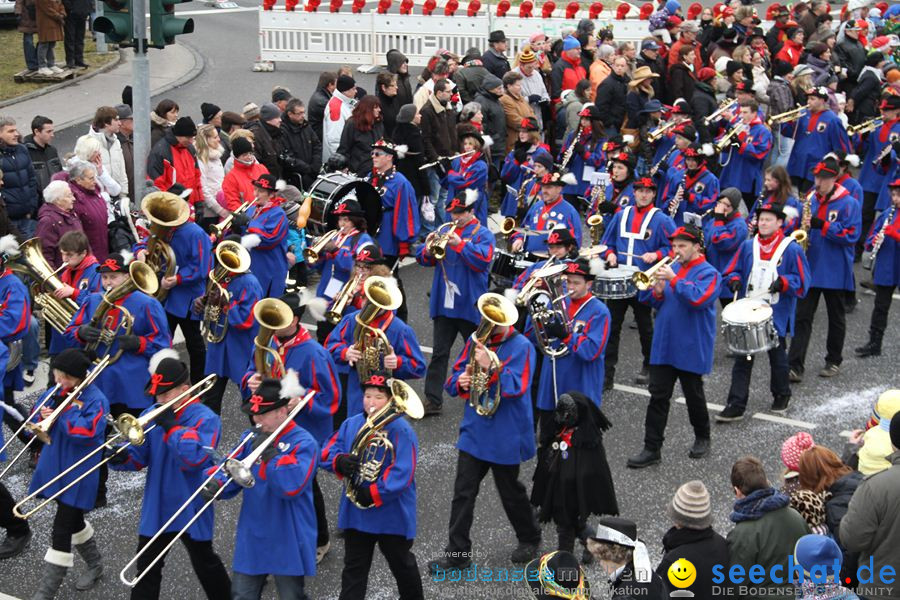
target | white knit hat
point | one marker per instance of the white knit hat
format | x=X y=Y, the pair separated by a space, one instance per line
x=690 y=507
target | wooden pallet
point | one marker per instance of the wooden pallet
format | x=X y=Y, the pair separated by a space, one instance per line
x=32 y=77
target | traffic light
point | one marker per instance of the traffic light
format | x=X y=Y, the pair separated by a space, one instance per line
x=164 y=25
x=115 y=22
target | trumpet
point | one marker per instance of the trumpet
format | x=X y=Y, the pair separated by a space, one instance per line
x=272 y=314
x=239 y=472
x=496 y=311
x=232 y=259
x=440 y=237
x=724 y=106
x=865 y=126
x=381 y=296
x=31 y=262
x=660 y=131
x=787 y=116
x=133 y=429
x=223 y=226
x=343 y=298
x=165 y=212
x=644 y=280
x=728 y=139
x=438 y=161
x=311 y=253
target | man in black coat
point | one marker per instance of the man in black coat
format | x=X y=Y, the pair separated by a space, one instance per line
x=267 y=144
x=398 y=64
x=494 y=60
x=703 y=103
x=316 y=108
x=19 y=181
x=614 y=544
x=438 y=126
x=493 y=121
x=649 y=57
x=406 y=133
x=43 y=155
x=77 y=13
x=301 y=148
x=610 y=96
x=852 y=55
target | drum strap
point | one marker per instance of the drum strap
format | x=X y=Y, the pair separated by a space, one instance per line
x=763 y=273
x=632 y=237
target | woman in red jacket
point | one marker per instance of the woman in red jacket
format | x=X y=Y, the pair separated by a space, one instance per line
x=237 y=187
x=793 y=47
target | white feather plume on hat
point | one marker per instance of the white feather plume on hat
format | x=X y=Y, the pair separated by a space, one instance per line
x=127 y=256
x=470 y=197
x=280 y=184
x=290 y=385
x=161 y=356
x=402 y=149
x=627 y=138
x=852 y=160
x=790 y=212
x=568 y=179
x=9 y=245
x=596 y=266
x=511 y=294
x=314 y=304
x=488 y=141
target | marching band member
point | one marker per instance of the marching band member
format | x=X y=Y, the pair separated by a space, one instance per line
x=459 y=278
x=777 y=189
x=15 y=319
x=316 y=371
x=468 y=172
x=79 y=430
x=193 y=258
x=699 y=187
x=400 y=217
x=845 y=177
x=545 y=214
x=772 y=267
x=873 y=173
x=228 y=359
x=276 y=529
x=561 y=245
x=641 y=230
x=79 y=276
x=265 y=235
x=724 y=233
x=620 y=189
x=681 y=112
x=885 y=237
x=585 y=337
x=175 y=454
x=833 y=231
x=404 y=362
x=747 y=153
x=336 y=262
x=149 y=334
x=18 y=533
x=510 y=380
x=671 y=169
x=586 y=153
x=685 y=298
x=519 y=166
x=388 y=513
x=818 y=132
x=542 y=163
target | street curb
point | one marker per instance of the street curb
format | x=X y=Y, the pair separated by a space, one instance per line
x=199 y=66
x=64 y=84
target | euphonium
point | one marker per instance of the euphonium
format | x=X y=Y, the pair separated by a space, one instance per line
x=231 y=259
x=533 y=280
x=223 y=226
x=495 y=311
x=44 y=282
x=272 y=314
x=336 y=312
x=371 y=444
x=140 y=277
x=311 y=253
x=439 y=240
x=382 y=295
x=165 y=212
x=644 y=280
x=548 y=305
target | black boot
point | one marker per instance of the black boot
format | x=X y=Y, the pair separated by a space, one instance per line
x=700 y=448
x=780 y=404
x=646 y=458
x=872 y=348
x=58 y=564
x=14 y=546
x=86 y=546
x=565 y=540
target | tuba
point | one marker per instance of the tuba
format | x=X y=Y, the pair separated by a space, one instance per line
x=44 y=282
x=140 y=277
x=495 y=311
x=343 y=298
x=382 y=295
x=232 y=259
x=271 y=314
x=548 y=305
x=372 y=445
x=165 y=212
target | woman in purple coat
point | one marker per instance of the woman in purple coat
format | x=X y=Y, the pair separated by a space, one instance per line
x=56 y=218
x=89 y=204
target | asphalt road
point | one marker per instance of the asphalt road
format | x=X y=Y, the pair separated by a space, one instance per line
x=823 y=407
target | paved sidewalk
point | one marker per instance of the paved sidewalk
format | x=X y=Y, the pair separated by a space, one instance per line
x=74 y=104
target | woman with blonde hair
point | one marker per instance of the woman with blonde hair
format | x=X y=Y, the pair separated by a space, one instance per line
x=212 y=174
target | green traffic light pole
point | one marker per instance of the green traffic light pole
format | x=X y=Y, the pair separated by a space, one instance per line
x=140 y=85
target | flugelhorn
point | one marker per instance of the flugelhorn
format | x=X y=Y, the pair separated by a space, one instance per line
x=661 y=130
x=343 y=298
x=31 y=263
x=440 y=237
x=225 y=224
x=496 y=311
x=865 y=126
x=272 y=314
x=311 y=253
x=232 y=259
x=644 y=280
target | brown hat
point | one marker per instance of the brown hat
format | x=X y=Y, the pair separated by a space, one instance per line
x=640 y=74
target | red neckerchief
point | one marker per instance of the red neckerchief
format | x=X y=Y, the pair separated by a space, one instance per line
x=566 y=435
x=835 y=193
x=690 y=181
x=342 y=237
x=301 y=336
x=843 y=178
x=498 y=338
x=885 y=130
x=545 y=210
x=460 y=228
x=685 y=269
x=272 y=203
x=70 y=276
x=467 y=161
x=638 y=215
x=726 y=218
x=768 y=245
x=383 y=321
x=813 y=120
x=677 y=159
x=575 y=305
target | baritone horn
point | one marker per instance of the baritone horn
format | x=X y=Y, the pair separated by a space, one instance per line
x=272 y=314
x=165 y=211
x=644 y=280
x=496 y=311
x=232 y=259
x=44 y=282
x=382 y=295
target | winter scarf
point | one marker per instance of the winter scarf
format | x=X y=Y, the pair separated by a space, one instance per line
x=758 y=504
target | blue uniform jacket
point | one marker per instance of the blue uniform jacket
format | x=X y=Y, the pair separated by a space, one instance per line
x=623 y=234
x=852 y=186
x=4 y=360
x=512 y=423
x=544 y=218
x=400 y=216
x=123 y=381
x=722 y=239
x=176 y=463
x=815 y=135
x=394 y=492
x=80 y=428
x=86 y=280
x=268 y=260
x=668 y=175
x=315 y=371
x=745 y=164
x=338 y=265
x=402 y=339
x=700 y=193
x=887 y=264
x=466 y=267
x=15 y=319
x=593 y=157
x=684 y=334
x=582 y=368
x=873 y=176
x=513 y=176
x=193 y=255
x=884 y=196
x=469 y=173
x=793 y=270
x=624 y=197
x=831 y=248
x=230 y=357
x=793 y=210
x=276 y=530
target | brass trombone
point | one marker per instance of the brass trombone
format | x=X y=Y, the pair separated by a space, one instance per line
x=239 y=471
x=272 y=314
x=132 y=428
x=311 y=253
x=25 y=424
x=644 y=280
x=661 y=130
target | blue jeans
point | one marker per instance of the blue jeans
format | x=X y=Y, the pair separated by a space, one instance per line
x=438 y=198
x=25 y=226
x=249 y=587
x=781 y=150
x=31 y=347
x=31 y=60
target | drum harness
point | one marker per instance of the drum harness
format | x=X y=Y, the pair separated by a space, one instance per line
x=632 y=237
x=764 y=272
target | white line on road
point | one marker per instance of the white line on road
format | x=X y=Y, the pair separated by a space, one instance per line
x=784 y=421
x=632 y=390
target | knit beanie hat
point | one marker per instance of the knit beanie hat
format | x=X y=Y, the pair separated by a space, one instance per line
x=690 y=507
x=406 y=113
x=209 y=111
x=793 y=447
x=570 y=43
x=268 y=111
x=344 y=83
x=241 y=145
x=72 y=362
x=185 y=127
x=250 y=110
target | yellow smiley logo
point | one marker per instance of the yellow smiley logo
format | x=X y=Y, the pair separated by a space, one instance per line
x=682 y=573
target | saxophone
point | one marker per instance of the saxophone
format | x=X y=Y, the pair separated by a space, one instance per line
x=801 y=236
x=495 y=311
x=567 y=155
x=382 y=295
x=870 y=264
x=598 y=197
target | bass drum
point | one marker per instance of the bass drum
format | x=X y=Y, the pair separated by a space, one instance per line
x=328 y=190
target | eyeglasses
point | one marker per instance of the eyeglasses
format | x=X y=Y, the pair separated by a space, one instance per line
x=378 y=153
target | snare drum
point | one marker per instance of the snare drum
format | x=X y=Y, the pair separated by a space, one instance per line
x=330 y=188
x=748 y=327
x=615 y=283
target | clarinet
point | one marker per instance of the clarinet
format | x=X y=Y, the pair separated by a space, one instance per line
x=751 y=229
x=655 y=168
x=676 y=200
x=870 y=265
x=567 y=155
